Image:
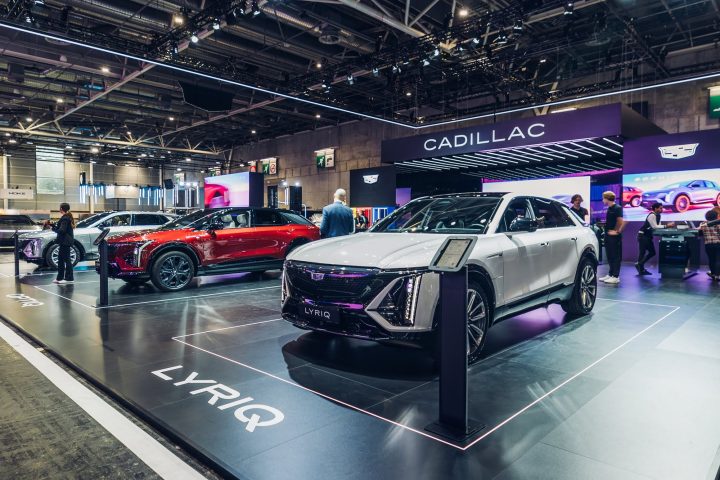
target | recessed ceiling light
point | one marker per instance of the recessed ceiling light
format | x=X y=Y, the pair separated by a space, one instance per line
x=59 y=100
x=317 y=115
x=172 y=119
x=105 y=69
x=463 y=12
x=253 y=132
x=408 y=93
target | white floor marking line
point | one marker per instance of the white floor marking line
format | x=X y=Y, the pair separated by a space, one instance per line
x=638 y=303
x=161 y=460
x=558 y=387
x=190 y=298
x=66 y=298
x=344 y=404
x=483 y=436
x=227 y=328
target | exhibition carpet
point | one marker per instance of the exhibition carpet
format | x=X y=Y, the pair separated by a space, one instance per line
x=627 y=392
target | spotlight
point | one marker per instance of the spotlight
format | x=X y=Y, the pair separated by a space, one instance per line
x=104 y=69
x=253 y=132
x=375 y=71
x=94 y=150
x=28 y=119
x=39 y=2
x=436 y=52
x=242 y=7
x=174 y=49
x=109 y=163
x=502 y=38
x=425 y=62
x=188 y=159
x=59 y=100
x=178 y=18
x=519 y=26
x=255 y=8
x=194 y=38
x=29 y=18
x=318 y=64
x=396 y=68
x=475 y=40
x=216 y=24
x=68 y=147
x=350 y=79
x=179 y=169
x=569 y=8
x=543 y=60
x=463 y=12
x=408 y=93
x=172 y=119
x=12 y=140
x=317 y=115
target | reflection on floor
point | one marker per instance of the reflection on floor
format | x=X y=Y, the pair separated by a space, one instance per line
x=629 y=392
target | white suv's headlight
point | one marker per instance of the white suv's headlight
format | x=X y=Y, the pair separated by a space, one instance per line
x=400 y=302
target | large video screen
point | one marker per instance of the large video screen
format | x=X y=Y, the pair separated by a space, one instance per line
x=685 y=195
x=227 y=190
x=561 y=189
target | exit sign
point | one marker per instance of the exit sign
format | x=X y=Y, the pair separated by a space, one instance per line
x=714 y=102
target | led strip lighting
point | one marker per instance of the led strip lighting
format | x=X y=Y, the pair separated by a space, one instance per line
x=596 y=96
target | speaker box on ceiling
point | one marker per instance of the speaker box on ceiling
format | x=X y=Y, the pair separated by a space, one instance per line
x=210 y=99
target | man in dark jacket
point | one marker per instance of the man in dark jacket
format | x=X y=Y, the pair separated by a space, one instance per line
x=65 y=239
x=337 y=219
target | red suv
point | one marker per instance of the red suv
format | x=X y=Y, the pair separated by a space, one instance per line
x=208 y=242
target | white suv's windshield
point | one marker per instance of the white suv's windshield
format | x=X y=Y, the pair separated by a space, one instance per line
x=89 y=221
x=441 y=215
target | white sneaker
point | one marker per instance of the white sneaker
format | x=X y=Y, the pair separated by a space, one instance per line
x=57 y=281
x=604 y=278
x=612 y=280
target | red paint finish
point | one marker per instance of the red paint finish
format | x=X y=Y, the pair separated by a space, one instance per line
x=211 y=248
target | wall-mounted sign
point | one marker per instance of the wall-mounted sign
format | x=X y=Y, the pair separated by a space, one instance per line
x=714 y=106
x=325 y=158
x=122 y=191
x=678 y=151
x=268 y=165
x=17 y=193
x=373 y=187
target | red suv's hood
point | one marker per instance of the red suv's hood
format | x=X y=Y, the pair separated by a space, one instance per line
x=145 y=235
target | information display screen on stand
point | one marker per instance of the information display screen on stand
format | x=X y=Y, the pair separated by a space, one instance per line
x=450 y=262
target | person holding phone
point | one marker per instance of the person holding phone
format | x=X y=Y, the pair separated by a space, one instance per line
x=65 y=239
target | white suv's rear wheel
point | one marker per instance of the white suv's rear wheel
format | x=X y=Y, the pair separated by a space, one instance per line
x=584 y=292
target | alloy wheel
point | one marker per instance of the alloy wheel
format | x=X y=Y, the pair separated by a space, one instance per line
x=477 y=320
x=55 y=255
x=682 y=203
x=588 y=287
x=175 y=272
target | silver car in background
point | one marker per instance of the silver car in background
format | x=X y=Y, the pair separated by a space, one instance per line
x=9 y=224
x=40 y=247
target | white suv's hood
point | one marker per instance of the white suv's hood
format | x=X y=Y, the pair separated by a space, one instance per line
x=49 y=234
x=378 y=250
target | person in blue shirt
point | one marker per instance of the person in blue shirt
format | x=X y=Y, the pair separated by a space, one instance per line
x=337 y=219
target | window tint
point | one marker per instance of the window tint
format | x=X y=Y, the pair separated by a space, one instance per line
x=268 y=218
x=517 y=208
x=695 y=184
x=122 y=220
x=549 y=214
x=149 y=219
x=235 y=218
x=295 y=218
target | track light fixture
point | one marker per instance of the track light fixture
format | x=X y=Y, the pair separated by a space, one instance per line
x=174 y=48
x=350 y=78
x=569 y=8
x=518 y=27
x=436 y=52
x=425 y=62
x=242 y=7
x=255 y=8
x=375 y=71
x=502 y=38
x=216 y=24
x=194 y=38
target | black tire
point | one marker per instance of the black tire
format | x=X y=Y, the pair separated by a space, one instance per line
x=478 y=323
x=681 y=203
x=635 y=201
x=51 y=255
x=136 y=282
x=584 y=291
x=172 y=271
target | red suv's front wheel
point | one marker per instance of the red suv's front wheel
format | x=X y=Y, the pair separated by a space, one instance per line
x=172 y=271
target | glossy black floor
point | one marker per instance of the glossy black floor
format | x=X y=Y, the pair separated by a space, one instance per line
x=628 y=392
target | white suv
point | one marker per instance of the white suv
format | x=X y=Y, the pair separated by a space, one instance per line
x=530 y=252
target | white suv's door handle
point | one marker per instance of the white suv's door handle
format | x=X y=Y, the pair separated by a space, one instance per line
x=545 y=244
x=574 y=239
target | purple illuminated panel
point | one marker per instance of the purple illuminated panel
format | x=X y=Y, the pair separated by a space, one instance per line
x=669 y=153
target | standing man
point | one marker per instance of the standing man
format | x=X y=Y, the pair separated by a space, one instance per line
x=614 y=225
x=578 y=209
x=646 y=244
x=337 y=219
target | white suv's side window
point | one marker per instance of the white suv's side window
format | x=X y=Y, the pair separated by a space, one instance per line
x=518 y=208
x=550 y=215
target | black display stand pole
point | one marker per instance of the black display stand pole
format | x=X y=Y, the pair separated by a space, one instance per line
x=16 y=252
x=453 y=421
x=102 y=250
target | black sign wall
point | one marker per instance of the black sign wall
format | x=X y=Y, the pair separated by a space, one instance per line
x=372 y=187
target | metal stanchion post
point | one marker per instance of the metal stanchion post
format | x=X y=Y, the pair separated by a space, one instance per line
x=102 y=248
x=449 y=262
x=16 y=252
